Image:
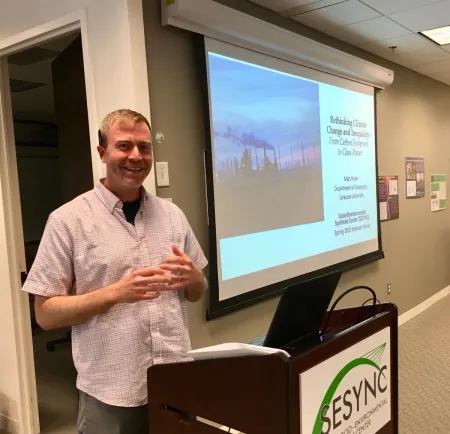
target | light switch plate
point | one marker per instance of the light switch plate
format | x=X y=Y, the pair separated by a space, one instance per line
x=162 y=174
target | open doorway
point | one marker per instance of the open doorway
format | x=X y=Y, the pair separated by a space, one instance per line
x=48 y=96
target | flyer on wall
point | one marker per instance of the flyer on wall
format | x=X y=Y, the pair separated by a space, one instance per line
x=415 y=177
x=388 y=197
x=438 y=192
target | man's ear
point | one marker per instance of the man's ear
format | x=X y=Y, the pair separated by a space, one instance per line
x=101 y=151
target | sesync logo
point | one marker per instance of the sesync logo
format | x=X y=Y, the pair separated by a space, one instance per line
x=333 y=413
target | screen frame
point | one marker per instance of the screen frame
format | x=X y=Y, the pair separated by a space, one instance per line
x=216 y=307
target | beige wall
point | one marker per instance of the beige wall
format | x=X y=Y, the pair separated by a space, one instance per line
x=413 y=120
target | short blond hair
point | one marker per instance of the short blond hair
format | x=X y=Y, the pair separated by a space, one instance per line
x=119 y=115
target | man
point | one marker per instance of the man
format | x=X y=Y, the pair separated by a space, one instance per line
x=118 y=265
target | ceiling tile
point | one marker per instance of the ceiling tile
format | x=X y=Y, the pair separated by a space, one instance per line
x=341 y=34
x=445 y=75
x=387 y=7
x=425 y=17
x=22 y=86
x=377 y=25
x=404 y=44
x=377 y=29
x=341 y=14
x=32 y=55
x=443 y=81
x=420 y=56
x=310 y=7
x=367 y=31
x=433 y=67
x=282 y=5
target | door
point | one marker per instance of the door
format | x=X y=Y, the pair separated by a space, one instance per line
x=74 y=169
x=69 y=90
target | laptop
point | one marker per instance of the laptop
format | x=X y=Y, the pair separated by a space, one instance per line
x=300 y=312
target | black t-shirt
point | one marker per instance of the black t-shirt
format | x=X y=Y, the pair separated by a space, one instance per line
x=130 y=209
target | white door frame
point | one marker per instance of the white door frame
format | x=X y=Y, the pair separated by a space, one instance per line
x=9 y=183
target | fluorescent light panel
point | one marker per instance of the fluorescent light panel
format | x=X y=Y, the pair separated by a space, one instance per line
x=440 y=35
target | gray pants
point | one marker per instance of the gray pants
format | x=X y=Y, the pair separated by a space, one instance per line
x=95 y=417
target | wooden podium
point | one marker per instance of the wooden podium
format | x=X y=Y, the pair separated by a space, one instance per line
x=263 y=394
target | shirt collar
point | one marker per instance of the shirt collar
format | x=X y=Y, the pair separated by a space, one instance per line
x=111 y=201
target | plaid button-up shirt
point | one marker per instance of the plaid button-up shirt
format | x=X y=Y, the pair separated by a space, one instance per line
x=88 y=244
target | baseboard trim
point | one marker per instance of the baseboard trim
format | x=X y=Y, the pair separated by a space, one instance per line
x=417 y=310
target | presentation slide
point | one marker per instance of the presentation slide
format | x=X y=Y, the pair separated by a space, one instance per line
x=294 y=166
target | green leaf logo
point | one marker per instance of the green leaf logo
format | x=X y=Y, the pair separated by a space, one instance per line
x=372 y=358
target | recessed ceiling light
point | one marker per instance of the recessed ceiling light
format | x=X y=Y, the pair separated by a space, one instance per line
x=440 y=36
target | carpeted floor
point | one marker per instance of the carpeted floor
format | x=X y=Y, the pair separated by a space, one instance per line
x=57 y=394
x=424 y=373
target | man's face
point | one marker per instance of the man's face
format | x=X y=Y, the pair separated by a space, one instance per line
x=128 y=155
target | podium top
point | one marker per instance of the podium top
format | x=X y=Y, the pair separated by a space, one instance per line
x=259 y=394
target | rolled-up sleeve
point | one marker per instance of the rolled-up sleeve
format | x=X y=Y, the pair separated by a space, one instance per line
x=52 y=271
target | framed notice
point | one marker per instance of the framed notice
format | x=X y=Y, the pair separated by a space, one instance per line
x=438 y=192
x=388 y=197
x=415 y=177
